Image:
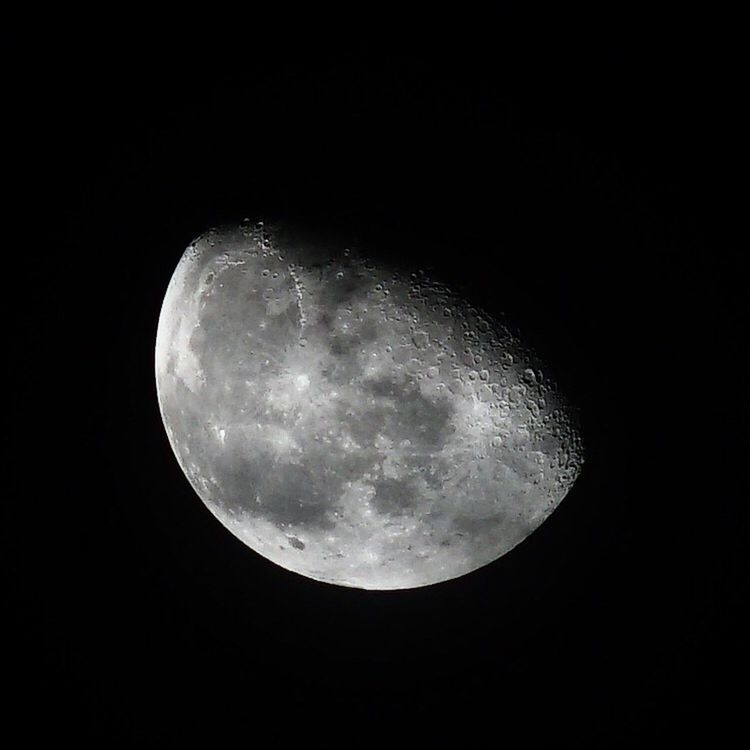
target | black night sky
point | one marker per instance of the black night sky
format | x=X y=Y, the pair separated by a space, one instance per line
x=588 y=190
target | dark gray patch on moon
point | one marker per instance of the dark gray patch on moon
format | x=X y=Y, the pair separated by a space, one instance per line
x=351 y=423
x=393 y=496
x=292 y=494
x=400 y=414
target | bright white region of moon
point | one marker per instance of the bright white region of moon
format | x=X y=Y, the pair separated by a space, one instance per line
x=350 y=422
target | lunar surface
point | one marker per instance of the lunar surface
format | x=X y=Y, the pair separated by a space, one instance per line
x=356 y=424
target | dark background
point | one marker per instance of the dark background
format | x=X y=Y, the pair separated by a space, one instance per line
x=586 y=186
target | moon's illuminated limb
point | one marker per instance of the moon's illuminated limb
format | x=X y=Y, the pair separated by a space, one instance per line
x=350 y=423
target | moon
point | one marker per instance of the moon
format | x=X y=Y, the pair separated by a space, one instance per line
x=350 y=421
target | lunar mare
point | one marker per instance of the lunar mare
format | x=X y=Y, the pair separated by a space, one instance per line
x=351 y=422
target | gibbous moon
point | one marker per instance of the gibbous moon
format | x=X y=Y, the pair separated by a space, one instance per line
x=351 y=422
